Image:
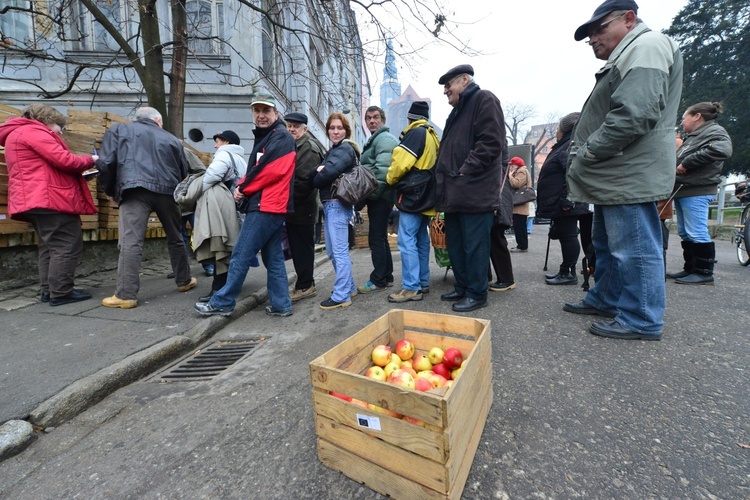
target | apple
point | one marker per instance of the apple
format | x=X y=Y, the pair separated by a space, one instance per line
x=414 y=421
x=402 y=378
x=425 y=374
x=339 y=395
x=359 y=402
x=381 y=355
x=455 y=373
x=405 y=349
x=435 y=355
x=453 y=358
x=376 y=372
x=407 y=364
x=409 y=370
x=441 y=369
x=395 y=359
x=437 y=380
x=423 y=384
x=390 y=368
x=385 y=411
x=422 y=363
x=448 y=384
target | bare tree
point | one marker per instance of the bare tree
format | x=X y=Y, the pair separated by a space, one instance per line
x=515 y=114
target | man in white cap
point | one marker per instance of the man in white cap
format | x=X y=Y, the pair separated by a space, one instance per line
x=622 y=160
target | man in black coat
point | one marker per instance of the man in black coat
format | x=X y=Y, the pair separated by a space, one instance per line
x=468 y=177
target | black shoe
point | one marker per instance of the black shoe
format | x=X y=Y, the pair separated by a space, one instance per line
x=678 y=275
x=501 y=287
x=170 y=275
x=614 y=330
x=583 y=308
x=551 y=276
x=44 y=297
x=468 y=304
x=452 y=296
x=275 y=312
x=70 y=297
x=563 y=279
x=206 y=298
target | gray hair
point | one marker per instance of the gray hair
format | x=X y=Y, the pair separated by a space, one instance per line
x=471 y=78
x=146 y=112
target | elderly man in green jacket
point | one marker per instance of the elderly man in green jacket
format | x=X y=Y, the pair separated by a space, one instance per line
x=622 y=160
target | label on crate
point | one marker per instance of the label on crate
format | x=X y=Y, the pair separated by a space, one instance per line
x=368 y=422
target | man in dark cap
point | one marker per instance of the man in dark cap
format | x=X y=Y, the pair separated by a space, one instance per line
x=468 y=175
x=300 y=225
x=622 y=159
x=411 y=175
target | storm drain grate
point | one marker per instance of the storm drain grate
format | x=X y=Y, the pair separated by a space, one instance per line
x=211 y=361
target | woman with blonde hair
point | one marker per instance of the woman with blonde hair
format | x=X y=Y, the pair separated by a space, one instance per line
x=46 y=188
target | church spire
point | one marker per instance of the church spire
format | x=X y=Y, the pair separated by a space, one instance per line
x=390 y=89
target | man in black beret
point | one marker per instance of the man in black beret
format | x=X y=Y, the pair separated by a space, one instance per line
x=468 y=177
x=622 y=160
x=300 y=224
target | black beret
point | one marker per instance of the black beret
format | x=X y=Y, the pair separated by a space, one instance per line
x=603 y=11
x=458 y=70
x=296 y=118
x=228 y=135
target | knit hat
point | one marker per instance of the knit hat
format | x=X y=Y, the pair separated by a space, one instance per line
x=296 y=118
x=419 y=110
x=458 y=70
x=230 y=136
x=603 y=11
x=568 y=122
x=517 y=161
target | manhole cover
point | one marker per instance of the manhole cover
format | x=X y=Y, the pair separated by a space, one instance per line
x=210 y=361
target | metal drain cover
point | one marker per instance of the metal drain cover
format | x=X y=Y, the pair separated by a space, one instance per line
x=210 y=361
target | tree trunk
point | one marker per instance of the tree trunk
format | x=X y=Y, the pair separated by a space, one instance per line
x=153 y=79
x=179 y=69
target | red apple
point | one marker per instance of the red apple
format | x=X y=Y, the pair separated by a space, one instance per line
x=340 y=396
x=376 y=372
x=381 y=355
x=438 y=380
x=407 y=364
x=385 y=411
x=405 y=349
x=441 y=369
x=453 y=358
x=402 y=378
x=410 y=370
x=390 y=368
x=435 y=355
x=423 y=384
x=422 y=363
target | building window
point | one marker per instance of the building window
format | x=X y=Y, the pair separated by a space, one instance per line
x=15 y=26
x=205 y=19
x=89 y=34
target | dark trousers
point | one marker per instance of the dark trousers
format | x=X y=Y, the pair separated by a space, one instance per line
x=500 y=255
x=378 y=212
x=60 y=249
x=519 y=228
x=567 y=228
x=135 y=206
x=586 y=222
x=302 y=244
x=468 y=239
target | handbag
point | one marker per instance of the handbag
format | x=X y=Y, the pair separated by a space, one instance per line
x=415 y=192
x=355 y=185
x=523 y=195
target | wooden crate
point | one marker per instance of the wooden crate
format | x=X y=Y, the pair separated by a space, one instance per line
x=401 y=459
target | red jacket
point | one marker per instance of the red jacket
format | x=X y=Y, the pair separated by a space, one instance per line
x=42 y=172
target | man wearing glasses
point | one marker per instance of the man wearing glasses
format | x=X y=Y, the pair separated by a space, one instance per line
x=622 y=160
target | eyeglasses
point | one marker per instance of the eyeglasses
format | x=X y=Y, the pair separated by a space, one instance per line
x=450 y=82
x=600 y=29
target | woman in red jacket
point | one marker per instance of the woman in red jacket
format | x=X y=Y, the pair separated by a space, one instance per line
x=46 y=188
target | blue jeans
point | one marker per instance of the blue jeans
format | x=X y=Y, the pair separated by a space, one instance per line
x=260 y=232
x=692 y=218
x=414 y=245
x=336 y=223
x=468 y=239
x=629 y=271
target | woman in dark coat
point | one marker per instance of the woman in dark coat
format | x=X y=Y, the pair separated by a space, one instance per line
x=552 y=202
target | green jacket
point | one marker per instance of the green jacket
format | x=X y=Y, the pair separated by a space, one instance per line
x=376 y=155
x=623 y=145
x=310 y=154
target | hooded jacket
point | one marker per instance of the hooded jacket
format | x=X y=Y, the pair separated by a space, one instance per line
x=310 y=154
x=468 y=172
x=268 y=182
x=552 y=192
x=702 y=154
x=623 y=149
x=376 y=155
x=42 y=172
x=140 y=155
x=340 y=159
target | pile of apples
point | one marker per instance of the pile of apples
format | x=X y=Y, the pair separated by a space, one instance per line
x=424 y=372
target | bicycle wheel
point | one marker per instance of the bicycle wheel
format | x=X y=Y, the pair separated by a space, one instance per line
x=743 y=239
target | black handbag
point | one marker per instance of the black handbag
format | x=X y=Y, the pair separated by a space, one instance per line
x=415 y=192
x=355 y=185
x=523 y=195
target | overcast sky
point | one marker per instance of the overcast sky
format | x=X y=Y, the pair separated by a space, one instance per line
x=530 y=54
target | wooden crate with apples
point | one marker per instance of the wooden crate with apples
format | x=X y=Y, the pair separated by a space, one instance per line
x=392 y=455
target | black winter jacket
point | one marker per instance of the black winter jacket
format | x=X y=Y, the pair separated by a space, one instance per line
x=468 y=171
x=140 y=154
x=552 y=190
x=340 y=159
